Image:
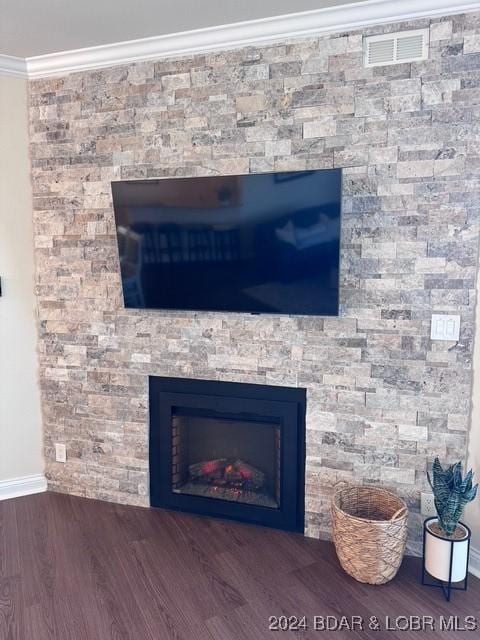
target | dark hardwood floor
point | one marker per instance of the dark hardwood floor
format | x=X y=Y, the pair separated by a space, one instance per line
x=72 y=568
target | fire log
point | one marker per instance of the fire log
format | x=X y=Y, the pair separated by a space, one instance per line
x=208 y=469
x=254 y=477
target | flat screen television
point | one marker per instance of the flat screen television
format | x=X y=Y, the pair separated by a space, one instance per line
x=258 y=243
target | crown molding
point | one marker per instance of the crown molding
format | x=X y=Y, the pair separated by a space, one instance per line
x=11 y=66
x=253 y=32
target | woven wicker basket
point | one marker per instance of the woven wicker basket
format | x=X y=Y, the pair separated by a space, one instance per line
x=369 y=532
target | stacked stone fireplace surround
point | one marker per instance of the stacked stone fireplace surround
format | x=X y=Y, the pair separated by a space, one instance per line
x=382 y=398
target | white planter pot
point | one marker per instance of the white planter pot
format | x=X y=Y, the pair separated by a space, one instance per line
x=438 y=551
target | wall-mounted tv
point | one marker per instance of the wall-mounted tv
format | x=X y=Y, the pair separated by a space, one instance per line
x=258 y=243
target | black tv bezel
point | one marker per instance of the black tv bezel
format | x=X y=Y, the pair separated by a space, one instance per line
x=229 y=311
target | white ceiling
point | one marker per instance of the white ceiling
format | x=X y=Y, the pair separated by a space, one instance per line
x=37 y=27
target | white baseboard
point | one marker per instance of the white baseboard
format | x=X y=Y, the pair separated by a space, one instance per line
x=474 y=564
x=16 y=487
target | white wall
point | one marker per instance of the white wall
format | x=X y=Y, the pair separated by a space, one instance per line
x=20 y=419
x=472 y=515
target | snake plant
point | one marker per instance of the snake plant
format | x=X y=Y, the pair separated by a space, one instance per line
x=451 y=492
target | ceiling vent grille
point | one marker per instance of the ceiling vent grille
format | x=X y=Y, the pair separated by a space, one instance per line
x=395 y=48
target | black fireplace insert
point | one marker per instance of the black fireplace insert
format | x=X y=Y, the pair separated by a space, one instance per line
x=228 y=449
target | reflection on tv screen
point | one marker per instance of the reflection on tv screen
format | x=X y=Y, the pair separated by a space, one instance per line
x=263 y=243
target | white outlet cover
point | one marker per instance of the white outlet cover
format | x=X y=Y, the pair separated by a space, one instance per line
x=427 y=504
x=445 y=327
x=60 y=452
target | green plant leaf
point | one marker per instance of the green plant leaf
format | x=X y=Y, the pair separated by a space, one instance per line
x=451 y=493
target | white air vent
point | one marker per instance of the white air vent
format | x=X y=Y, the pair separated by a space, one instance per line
x=395 y=48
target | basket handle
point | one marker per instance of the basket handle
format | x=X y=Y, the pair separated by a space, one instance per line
x=398 y=514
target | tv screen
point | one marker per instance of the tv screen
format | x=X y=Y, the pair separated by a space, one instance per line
x=259 y=243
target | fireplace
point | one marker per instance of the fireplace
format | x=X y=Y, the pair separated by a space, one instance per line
x=228 y=449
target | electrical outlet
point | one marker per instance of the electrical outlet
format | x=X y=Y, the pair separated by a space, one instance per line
x=427 y=505
x=60 y=452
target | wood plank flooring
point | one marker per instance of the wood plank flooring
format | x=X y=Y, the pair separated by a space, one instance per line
x=77 y=569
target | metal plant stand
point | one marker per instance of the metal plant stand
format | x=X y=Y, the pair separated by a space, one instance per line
x=446 y=586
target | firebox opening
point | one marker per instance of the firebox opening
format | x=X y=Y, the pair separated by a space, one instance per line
x=226 y=458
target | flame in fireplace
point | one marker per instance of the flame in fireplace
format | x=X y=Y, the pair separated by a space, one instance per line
x=228 y=473
x=228 y=479
x=211 y=466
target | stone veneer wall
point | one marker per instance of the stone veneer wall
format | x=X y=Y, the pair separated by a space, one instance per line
x=382 y=398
